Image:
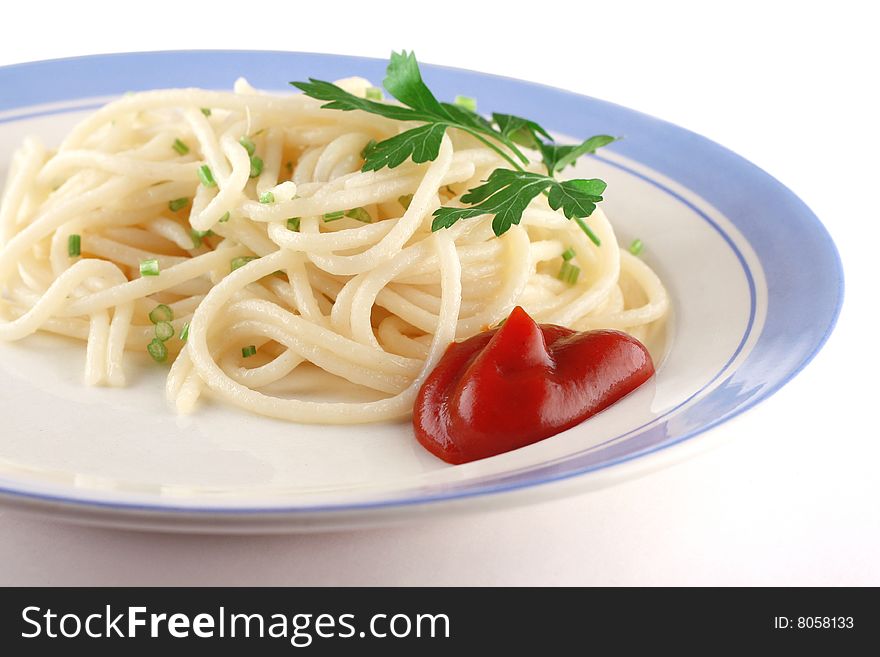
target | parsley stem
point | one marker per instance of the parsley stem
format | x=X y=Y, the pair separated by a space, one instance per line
x=593 y=237
x=495 y=148
x=516 y=151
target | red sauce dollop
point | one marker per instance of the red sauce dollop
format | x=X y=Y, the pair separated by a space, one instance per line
x=515 y=385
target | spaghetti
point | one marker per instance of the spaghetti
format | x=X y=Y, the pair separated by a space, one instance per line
x=274 y=257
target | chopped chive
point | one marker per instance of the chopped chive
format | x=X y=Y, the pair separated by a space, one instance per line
x=366 y=149
x=359 y=214
x=206 y=111
x=184 y=332
x=178 y=204
x=293 y=224
x=267 y=197
x=206 y=176
x=225 y=217
x=157 y=350
x=161 y=313
x=149 y=267
x=164 y=331
x=568 y=254
x=240 y=261
x=593 y=237
x=636 y=247
x=74 y=243
x=197 y=236
x=247 y=352
x=256 y=166
x=568 y=273
x=373 y=93
x=180 y=147
x=248 y=144
x=466 y=102
x=333 y=216
x=405 y=200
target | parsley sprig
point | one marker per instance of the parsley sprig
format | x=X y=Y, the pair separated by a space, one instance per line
x=507 y=192
x=403 y=80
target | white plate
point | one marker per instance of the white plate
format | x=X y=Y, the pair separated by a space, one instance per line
x=744 y=321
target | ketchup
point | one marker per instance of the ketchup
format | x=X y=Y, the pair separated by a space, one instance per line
x=515 y=385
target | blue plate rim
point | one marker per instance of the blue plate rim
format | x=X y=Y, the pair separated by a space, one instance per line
x=747 y=169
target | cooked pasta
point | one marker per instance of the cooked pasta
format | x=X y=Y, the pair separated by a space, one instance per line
x=243 y=223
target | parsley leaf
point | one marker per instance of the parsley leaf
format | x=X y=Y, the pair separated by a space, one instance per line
x=506 y=194
x=422 y=144
x=521 y=131
x=404 y=82
x=556 y=157
x=577 y=198
x=339 y=99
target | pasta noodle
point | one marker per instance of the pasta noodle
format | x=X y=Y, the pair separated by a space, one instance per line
x=287 y=249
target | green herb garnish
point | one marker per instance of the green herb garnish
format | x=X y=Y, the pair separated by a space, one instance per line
x=366 y=148
x=404 y=81
x=248 y=144
x=180 y=147
x=198 y=235
x=161 y=313
x=240 y=261
x=178 y=204
x=74 y=245
x=164 y=331
x=636 y=247
x=206 y=176
x=359 y=214
x=157 y=350
x=568 y=273
x=149 y=267
x=507 y=192
x=467 y=102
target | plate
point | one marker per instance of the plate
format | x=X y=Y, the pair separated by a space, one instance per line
x=728 y=240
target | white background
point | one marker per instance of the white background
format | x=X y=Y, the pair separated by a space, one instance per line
x=791 y=497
